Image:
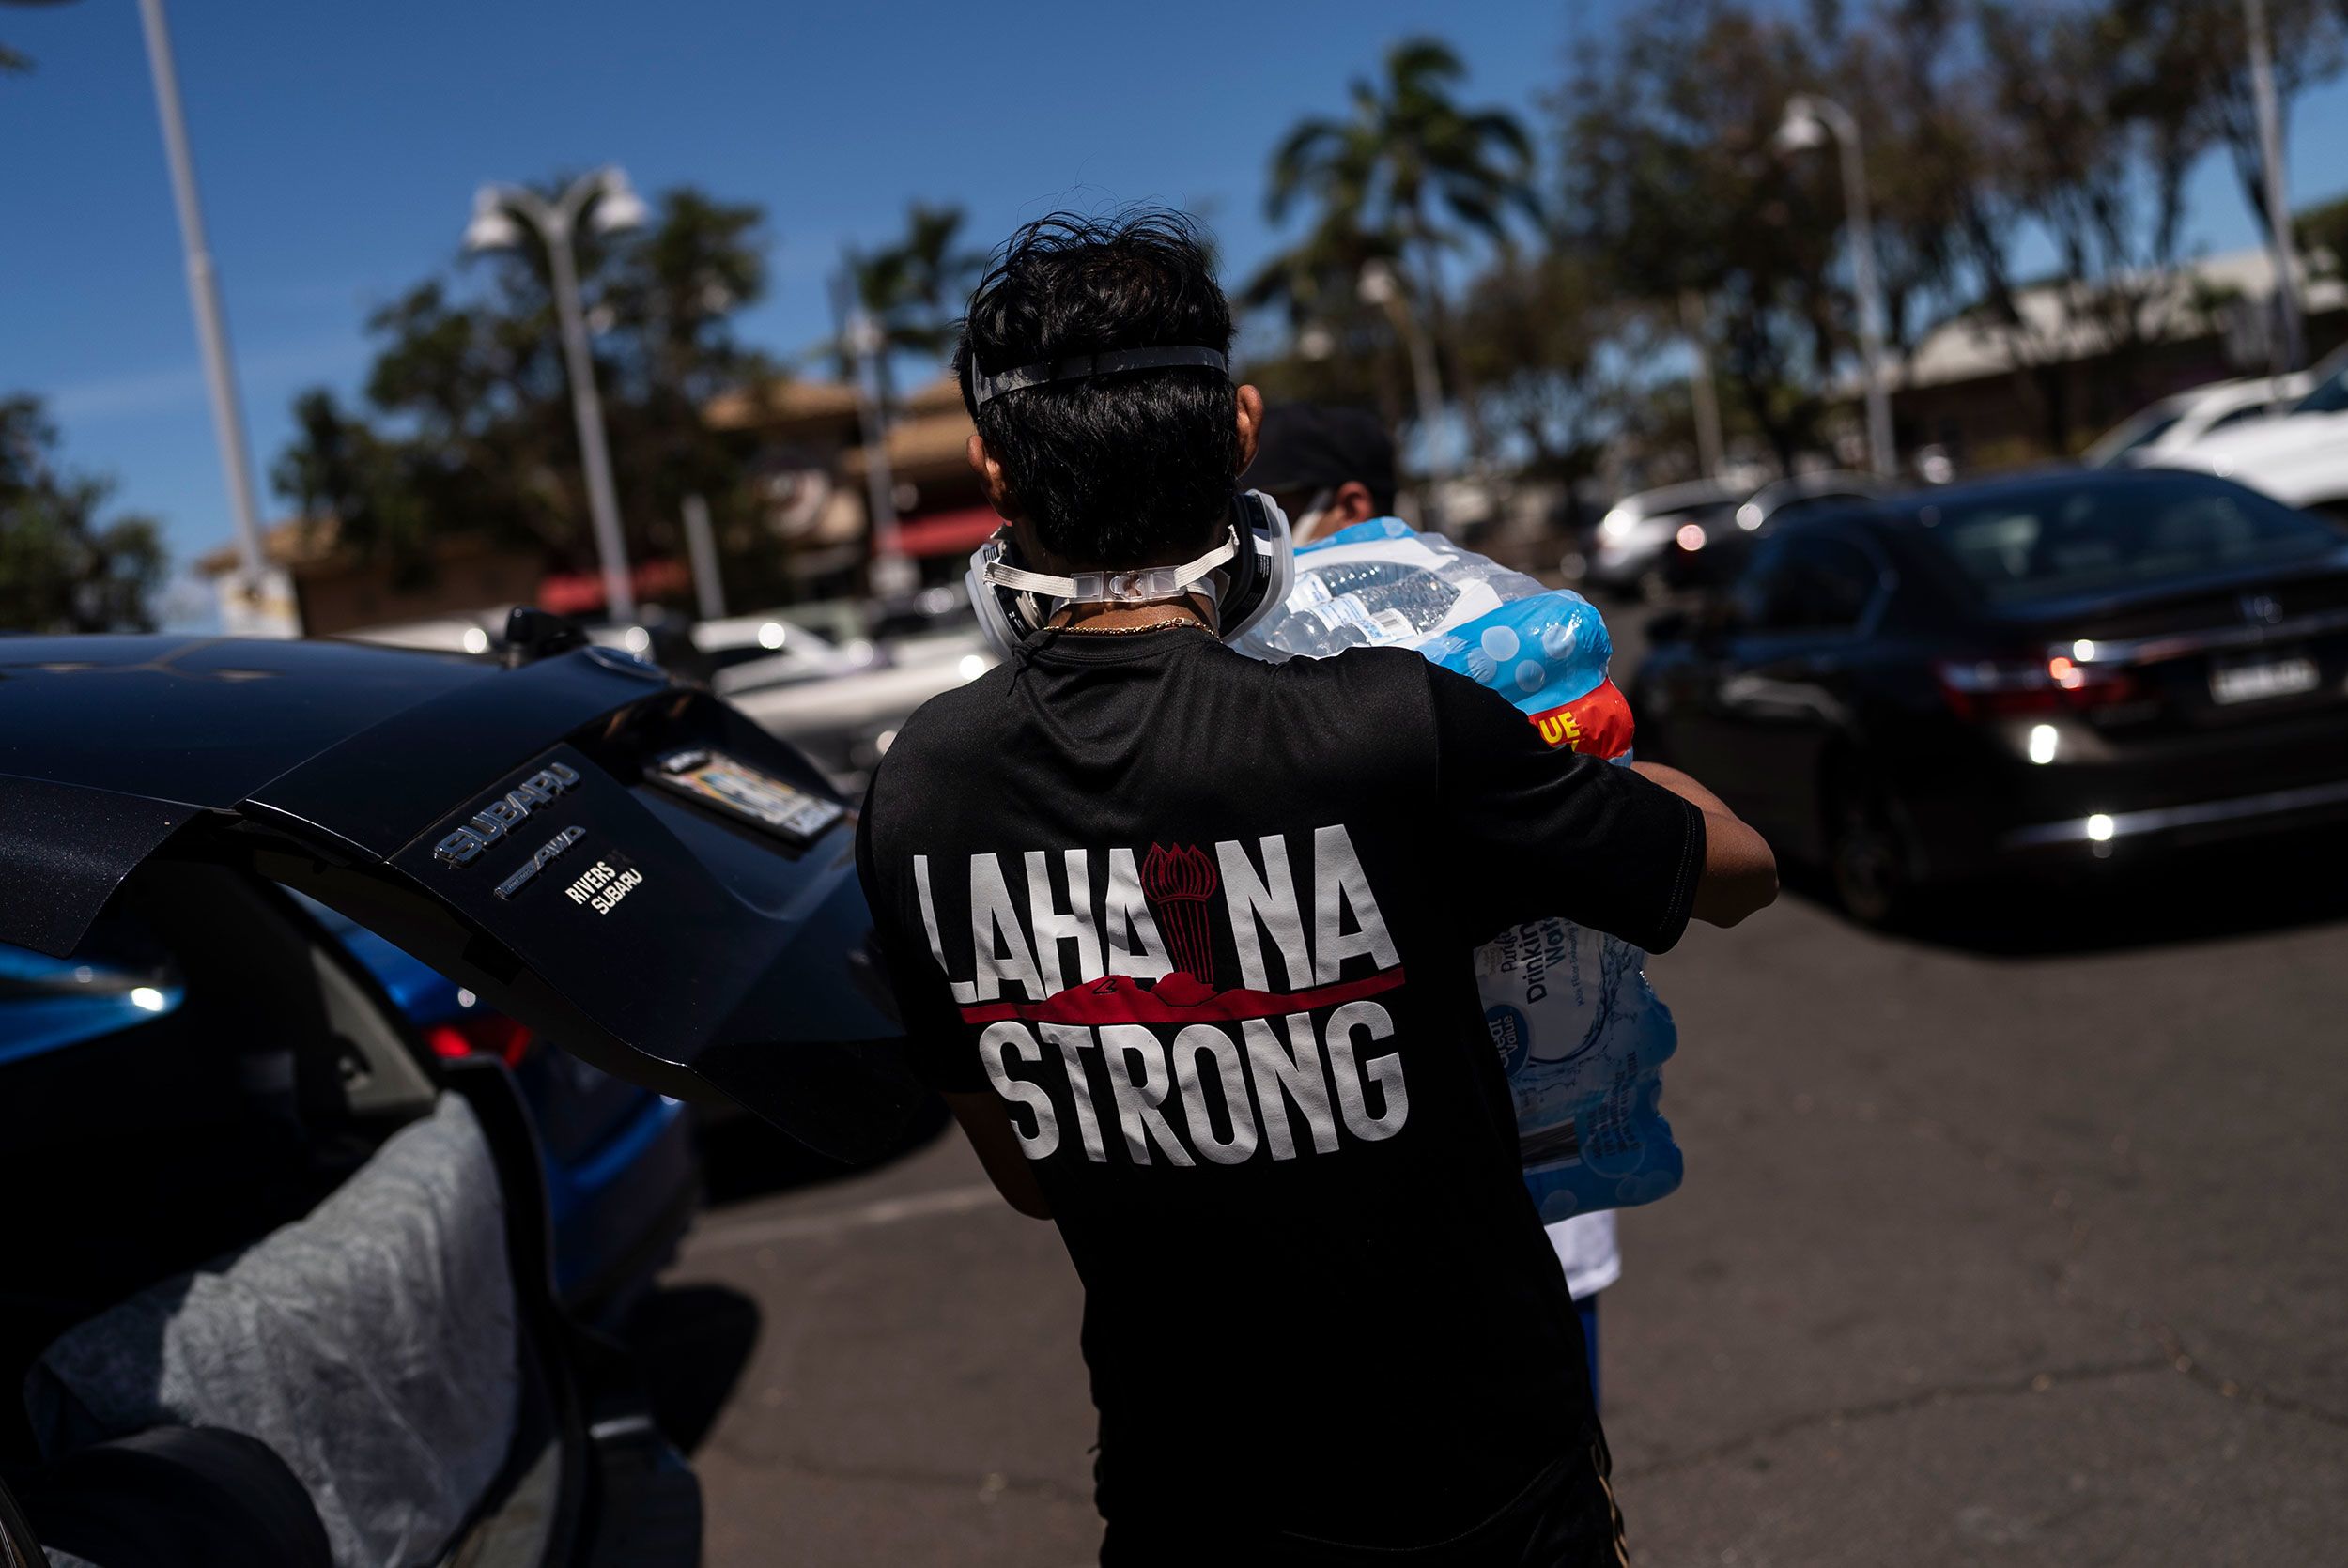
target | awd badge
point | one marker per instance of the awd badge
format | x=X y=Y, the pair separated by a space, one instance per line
x=538 y=862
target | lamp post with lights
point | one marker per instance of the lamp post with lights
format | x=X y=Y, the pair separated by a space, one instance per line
x=1809 y=122
x=211 y=330
x=2275 y=189
x=609 y=205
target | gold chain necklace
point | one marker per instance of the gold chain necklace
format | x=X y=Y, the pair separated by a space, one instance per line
x=1081 y=630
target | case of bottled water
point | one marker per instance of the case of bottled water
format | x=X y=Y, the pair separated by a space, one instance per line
x=1580 y=1032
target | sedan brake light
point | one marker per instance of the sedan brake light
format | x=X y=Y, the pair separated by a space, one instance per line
x=2007 y=689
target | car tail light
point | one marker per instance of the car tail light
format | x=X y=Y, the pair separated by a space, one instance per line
x=481 y=1035
x=2007 y=689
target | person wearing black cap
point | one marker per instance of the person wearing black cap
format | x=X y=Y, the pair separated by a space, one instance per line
x=1186 y=940
x=1329 y=467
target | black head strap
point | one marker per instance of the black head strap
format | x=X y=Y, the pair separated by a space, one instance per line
x=1076 y=368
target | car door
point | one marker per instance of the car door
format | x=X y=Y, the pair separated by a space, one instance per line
x=1776 y=687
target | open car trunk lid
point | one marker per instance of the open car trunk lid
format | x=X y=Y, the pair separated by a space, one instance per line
x=629 y=867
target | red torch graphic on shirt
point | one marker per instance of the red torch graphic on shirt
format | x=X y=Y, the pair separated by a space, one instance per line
x=1178 y=883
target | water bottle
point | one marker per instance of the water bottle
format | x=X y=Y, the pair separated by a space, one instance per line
x=1579 y=1032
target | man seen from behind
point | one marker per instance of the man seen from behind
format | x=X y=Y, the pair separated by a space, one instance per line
x=1185 y=939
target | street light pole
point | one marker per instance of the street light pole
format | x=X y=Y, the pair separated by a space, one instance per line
x=2292 y=348
x=1379 y=286
x=211 y=330
x=557 y=222
x=862 y=339
x=1809 y=120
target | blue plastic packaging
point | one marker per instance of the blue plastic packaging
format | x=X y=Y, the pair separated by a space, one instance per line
x=1580 y=1032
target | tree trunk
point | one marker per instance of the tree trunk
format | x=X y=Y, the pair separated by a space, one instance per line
x=1448 y=355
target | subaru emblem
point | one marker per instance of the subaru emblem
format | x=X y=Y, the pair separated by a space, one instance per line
x=2260 y=608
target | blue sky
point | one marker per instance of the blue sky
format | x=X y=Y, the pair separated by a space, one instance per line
x=339 y=146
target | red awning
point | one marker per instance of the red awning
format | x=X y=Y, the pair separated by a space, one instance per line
x=957 y=533
x=577 y=593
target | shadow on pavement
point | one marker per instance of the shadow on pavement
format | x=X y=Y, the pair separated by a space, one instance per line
x=2245 y=889
x=743 y=1157
x=692 y=1342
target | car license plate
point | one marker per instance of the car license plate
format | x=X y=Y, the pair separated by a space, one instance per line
x=741 y=791
x=2254 y=680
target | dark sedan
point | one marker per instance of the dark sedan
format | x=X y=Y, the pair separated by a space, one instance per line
x=2074 y=666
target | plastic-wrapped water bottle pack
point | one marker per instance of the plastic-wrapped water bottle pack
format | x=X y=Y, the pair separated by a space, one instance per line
x=1579 y=1031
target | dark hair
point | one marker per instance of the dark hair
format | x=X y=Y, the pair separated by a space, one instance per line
x=1127 y=469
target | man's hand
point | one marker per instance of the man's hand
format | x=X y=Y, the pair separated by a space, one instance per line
x=1739 y=871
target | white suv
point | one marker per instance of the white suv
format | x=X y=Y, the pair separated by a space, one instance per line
x=2299 y=458
x=2183 y=418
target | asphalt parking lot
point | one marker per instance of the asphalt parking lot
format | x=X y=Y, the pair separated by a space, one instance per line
x=2018 y=1243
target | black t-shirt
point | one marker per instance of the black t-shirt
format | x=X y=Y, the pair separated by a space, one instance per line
x=1205 y=924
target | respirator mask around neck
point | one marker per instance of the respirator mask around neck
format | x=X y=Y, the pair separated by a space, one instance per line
x=1245 y=577
x=1248 y=571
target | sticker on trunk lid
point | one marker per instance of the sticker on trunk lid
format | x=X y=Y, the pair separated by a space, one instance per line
x=736 y=790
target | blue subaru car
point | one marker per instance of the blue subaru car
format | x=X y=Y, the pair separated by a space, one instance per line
x=622 y=1178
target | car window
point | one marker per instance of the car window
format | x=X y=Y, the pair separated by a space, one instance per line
x=1807 y=584
x=2090 y=536
x=1810 y=506
x=2141 y=431
x=1709 y=518
x=2248 y=412
x=2330 y=395
x=725 y=658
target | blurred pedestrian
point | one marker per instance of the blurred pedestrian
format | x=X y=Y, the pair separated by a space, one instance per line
x=1185 y=939
x=1330 y=468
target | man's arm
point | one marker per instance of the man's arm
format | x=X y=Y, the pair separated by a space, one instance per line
x=1739 y=871
x=987 y=1125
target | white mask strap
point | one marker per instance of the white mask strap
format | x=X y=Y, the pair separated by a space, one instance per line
x=1150 y=585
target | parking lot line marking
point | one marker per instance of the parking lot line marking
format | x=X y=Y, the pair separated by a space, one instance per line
x=722 y=1237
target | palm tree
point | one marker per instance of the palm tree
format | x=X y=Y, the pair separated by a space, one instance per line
x=9 y=59
x=1315 y=285
x=1410 y=172
x=913 y=291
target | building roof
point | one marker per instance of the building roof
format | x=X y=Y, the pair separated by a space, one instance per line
x=1969 y=346
x=799 y=402
x=940 y=396
x=921 y=445
x=781 y=403
x=297 y=543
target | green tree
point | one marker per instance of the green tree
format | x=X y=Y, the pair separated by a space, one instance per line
x=2321 y=234
x=1671 y=181
x=1539 y=333
x=1410 y=172
x=2192 y=59
x=13 y=61
x=2093 y=151
x=467 y=421
x=1339 y=349
x=62 y=567
x=912 y=289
